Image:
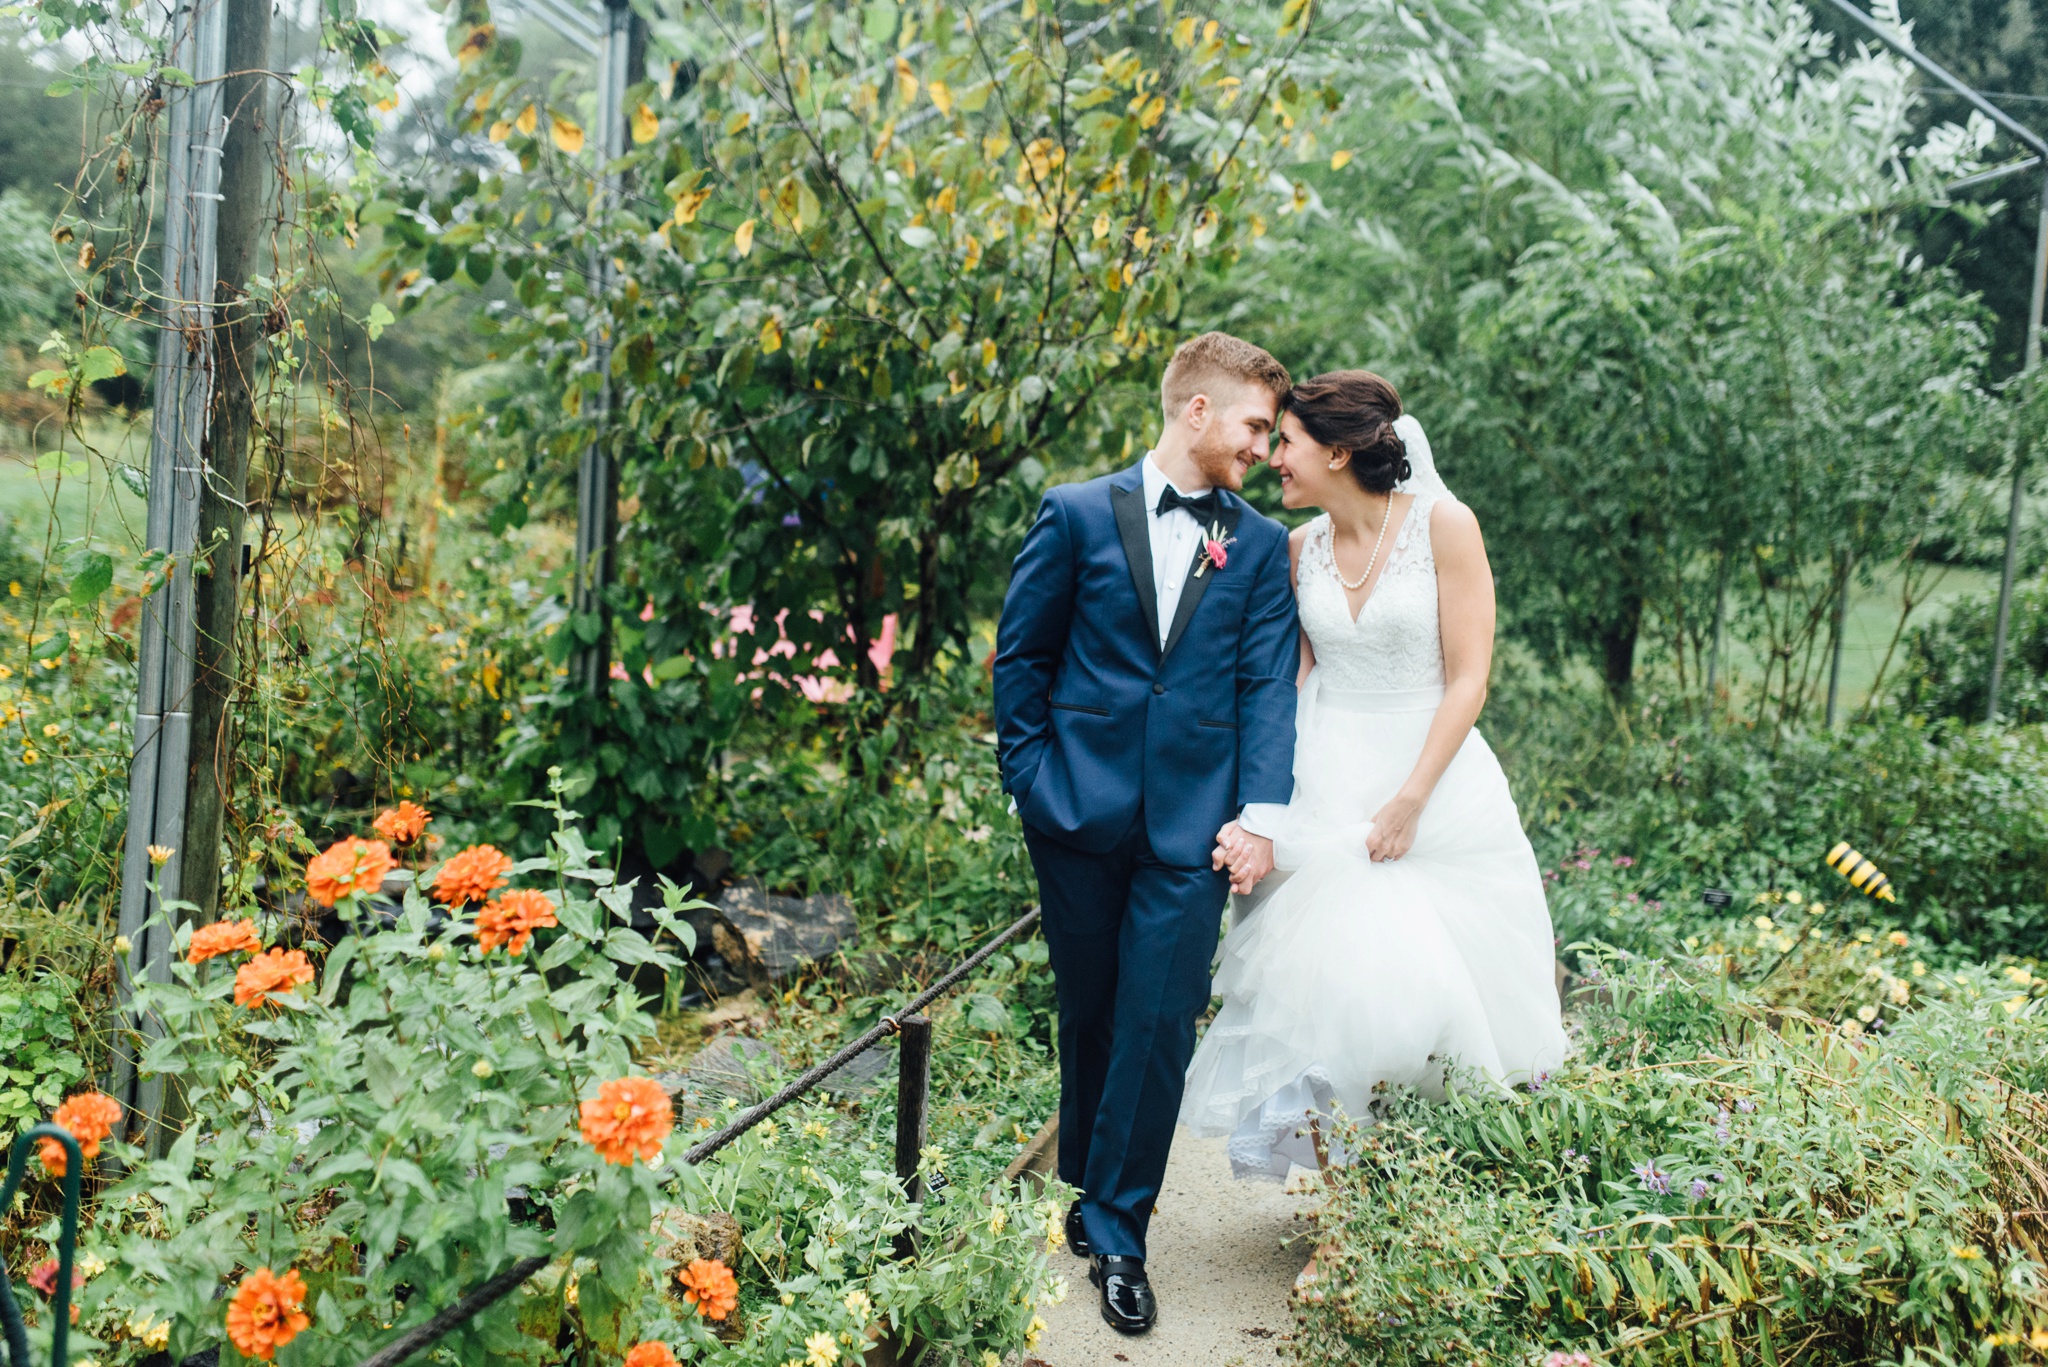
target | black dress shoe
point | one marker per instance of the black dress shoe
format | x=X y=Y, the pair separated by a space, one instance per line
x=1077 y=1233
x=1127 y=1304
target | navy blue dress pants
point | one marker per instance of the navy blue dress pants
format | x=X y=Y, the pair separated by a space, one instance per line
x=1131 y=939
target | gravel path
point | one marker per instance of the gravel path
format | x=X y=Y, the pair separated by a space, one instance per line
x=1218 y=1267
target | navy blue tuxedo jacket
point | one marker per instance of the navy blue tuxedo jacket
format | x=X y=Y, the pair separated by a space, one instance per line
x=1096 y=722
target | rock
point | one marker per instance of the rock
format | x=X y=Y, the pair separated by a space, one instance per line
x=726 y=1066
x=865 y=1072
x=769 y=939
x=682 y=1236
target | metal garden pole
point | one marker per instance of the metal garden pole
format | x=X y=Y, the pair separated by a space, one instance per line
x=2019 y=466
x=2039 y=147
x=196 y=128
x=621 y=58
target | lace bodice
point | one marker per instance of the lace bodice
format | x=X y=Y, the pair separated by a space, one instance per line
x=1396 y=641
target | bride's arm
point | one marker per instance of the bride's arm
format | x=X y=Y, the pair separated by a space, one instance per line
x=1464 y=587
x=1295 y=539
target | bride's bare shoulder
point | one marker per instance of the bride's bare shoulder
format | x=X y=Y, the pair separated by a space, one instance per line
x=1454 y=531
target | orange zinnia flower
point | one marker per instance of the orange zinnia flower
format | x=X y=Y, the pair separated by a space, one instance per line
x=709 y=1285
x=652 y=1353
x=90 y=1117
x=512 y=919
x=403 y=824
x=274 y=971
x=348 y=868
x=222 y=937
x=629 y=1116
x=472 y=875
x=264 y=1315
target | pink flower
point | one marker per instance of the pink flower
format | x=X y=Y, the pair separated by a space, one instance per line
x=743 y=620
x=883 y=648
x=1219 y=555
x=619 y=672
x=647 y=613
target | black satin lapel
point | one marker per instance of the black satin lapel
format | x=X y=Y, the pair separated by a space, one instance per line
x=1129 y=505
x=1193 y=588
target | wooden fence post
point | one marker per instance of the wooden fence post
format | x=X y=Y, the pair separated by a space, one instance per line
x=913 y=1088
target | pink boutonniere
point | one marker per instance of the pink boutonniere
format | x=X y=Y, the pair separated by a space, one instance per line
x=1215 y=549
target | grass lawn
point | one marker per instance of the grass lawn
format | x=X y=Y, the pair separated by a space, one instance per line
x=50 y=507
x=1872 y=619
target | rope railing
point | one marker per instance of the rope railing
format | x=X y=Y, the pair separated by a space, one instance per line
x=910 y=1102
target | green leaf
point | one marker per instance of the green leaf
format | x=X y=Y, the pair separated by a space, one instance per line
x=379 y=319
x=135 y=479
x=52 y=648
x=174 y=75
x=983 y=1012
x=100 y=363
x=91 y=576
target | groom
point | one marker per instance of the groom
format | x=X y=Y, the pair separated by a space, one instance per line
x=1144 y=692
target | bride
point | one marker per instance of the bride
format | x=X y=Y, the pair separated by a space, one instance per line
x=1404 y=931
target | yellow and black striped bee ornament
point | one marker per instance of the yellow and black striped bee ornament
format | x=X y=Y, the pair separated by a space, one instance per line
x=1861 y=873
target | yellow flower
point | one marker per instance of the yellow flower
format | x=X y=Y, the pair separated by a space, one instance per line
x=1900 y=938
x=998 y=1219
x=1032 y=1332
x=51 y=729
x=1919 y=969
x=817 y=1129
x=14 y=588
x=1340 y=159
x=160 y=855
x=2017 y=972
x=29 y=755
x=1766 y=923
x=2013 y=1005
x=1967 y=1252
x=989 y=1358
x=6 y=672
x=821 y=1350
x=1852 y=1029
x=1794 y=898
x=149 y=1331
x=1058 y=1292
x=1866 y=1014
x=2038 y=1340
x=859 y=1306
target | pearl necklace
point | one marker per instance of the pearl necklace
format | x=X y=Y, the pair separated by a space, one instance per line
x=1349 y=585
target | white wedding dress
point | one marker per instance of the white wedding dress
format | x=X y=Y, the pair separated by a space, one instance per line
x=1339 y=974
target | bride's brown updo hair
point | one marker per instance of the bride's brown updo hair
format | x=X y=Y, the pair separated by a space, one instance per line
x=1354 y=410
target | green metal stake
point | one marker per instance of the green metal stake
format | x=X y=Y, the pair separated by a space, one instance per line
x=67 y=1250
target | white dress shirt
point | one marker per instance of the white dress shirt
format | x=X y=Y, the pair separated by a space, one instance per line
x=1175 y=537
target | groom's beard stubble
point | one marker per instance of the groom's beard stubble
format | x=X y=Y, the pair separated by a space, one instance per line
x=1216 y=457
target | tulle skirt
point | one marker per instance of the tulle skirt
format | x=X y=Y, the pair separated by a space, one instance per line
x=1341 y=977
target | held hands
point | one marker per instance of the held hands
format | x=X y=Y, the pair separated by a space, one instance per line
x=1393 y=828
x=1249 y=857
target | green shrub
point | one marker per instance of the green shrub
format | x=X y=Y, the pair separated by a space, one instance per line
x=408 y=1125
x=1950 y=812
x=1948 y=661
x=1696 y=1186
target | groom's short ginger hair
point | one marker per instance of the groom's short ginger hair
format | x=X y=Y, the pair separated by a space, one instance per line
x=1212 y=361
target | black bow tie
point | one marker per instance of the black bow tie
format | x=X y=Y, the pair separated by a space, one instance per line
x=1204 y=506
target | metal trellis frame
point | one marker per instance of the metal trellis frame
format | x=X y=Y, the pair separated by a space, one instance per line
x=160 y=767
x=2039 y=146
x=621 y=60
